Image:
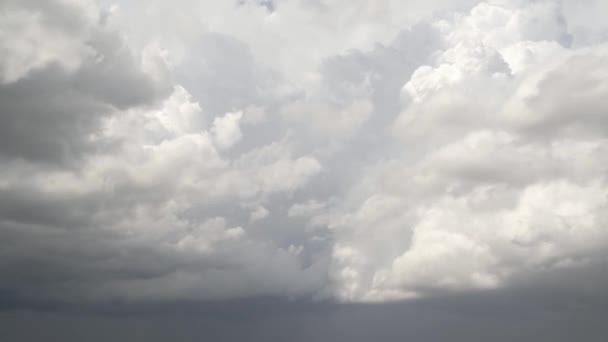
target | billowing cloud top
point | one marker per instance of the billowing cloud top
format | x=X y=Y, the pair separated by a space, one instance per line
x=342 y=150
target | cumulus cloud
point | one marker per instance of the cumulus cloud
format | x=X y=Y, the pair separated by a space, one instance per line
x=485 y=160
x=62 y=71
x=336 y=150
x=226 y=130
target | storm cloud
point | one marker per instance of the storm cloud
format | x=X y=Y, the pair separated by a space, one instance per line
x=329 y=161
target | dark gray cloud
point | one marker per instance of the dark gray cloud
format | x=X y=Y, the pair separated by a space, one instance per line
x=63 y=71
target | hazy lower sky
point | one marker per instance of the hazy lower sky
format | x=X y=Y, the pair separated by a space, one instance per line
x=304 y=170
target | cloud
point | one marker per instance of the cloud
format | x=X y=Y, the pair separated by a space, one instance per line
x=59 y=62
x=319 y=150
x=226 y=130
x=485 y=160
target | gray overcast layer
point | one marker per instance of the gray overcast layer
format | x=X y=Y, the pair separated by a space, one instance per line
x=341 y=170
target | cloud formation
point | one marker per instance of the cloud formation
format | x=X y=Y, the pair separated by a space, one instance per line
x=321 y=150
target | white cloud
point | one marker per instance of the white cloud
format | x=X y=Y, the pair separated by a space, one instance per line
x=497 y=130
x=258 y=213
x=226 y=130
x=313 y=149
x=308 y=208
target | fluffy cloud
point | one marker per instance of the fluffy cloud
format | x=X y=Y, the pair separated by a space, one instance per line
x=129 y=177
x=226 y=130
x=62 y=71
x=503 y=173
x=321 y=150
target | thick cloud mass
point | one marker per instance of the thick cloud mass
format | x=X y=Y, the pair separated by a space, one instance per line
x=61 y=71
x=344 y=150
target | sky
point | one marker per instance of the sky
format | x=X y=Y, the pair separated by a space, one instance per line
x=304 y=170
